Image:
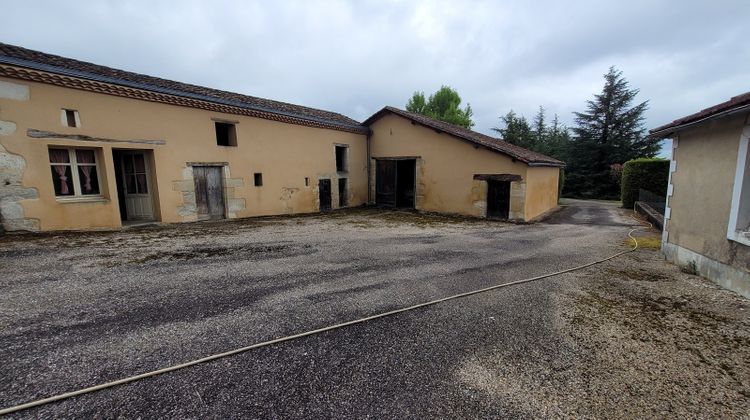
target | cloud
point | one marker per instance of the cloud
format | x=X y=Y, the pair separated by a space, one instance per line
x=354 y=57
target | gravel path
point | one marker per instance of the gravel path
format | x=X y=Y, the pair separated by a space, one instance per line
x=80 y=309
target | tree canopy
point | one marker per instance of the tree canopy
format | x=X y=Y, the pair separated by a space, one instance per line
x=549 y=139
x=443 y=105
x=607 y=134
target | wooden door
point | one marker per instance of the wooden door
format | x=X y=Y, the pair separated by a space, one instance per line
x=136 y=186
x=498 y=199
x=385 y=183
x=209 y=192
x=324 y=193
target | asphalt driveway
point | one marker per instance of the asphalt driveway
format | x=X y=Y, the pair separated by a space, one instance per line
x=81 y=309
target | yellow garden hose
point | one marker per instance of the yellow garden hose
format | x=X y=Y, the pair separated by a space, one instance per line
x=299 y=335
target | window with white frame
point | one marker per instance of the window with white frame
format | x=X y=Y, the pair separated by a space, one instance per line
x=739 y=218
x=75 y=172
x=70 y=118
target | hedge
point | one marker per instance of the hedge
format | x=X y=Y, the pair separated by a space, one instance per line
x=651 y=174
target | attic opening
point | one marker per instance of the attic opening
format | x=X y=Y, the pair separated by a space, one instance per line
x=226 y=134
x=70 y=118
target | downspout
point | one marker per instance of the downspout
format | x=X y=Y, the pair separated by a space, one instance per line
x=369 y=168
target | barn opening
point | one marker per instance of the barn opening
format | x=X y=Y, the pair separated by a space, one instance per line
x=498 y=193
x=395 y=182
x=498 y=199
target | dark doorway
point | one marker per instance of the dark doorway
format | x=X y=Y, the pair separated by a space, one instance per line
x=405 y=177
x=343 y=202
x=395 y=184
x=324 y=192
x=209 y=192
x=498 y=199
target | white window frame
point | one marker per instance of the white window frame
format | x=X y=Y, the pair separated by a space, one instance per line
x=734 y=233
x=73 y=164
x=64 y=117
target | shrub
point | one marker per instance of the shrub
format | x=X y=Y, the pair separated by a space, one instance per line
x=650 y=174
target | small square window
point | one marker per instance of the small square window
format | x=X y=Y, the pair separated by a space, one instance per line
x=258 y=179
x=226 y=134
x=70 y=118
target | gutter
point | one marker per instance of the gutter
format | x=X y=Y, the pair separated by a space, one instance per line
x=551 y=165
x=669 y=131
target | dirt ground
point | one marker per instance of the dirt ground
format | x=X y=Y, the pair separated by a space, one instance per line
x=643 y=339
x=632 y=337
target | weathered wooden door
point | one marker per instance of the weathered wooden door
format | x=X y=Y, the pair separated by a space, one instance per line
x=498 y=199
x=209 y=192
x=324 y=193
x=395 y=182
x=385 y=183
x=136 y=186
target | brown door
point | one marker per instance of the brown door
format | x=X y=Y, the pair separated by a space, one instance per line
x=385 y=183
x=498 y=199
x=209 y=192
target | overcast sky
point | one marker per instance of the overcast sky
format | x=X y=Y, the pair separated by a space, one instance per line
x=355 y=57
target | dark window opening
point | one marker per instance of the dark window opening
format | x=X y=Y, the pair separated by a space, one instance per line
x=343 y=202
x=307 y=181
x=70 y=117
x=258 y=179
x=341 y=159
x=226 y=134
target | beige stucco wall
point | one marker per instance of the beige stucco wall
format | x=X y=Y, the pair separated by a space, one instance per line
x=446 y=169
x=284 y=153
x=543 y=184
x=702 y=182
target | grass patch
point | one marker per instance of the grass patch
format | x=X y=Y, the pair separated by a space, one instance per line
x=646 y=242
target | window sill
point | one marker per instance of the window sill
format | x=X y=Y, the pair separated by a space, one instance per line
x=94 y=199
x=741 y=237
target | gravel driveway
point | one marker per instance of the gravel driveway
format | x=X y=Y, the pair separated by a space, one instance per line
x=81 y=309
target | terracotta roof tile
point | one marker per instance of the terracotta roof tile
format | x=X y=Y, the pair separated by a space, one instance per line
x=22 y=57
x=492 y=143
x=736 y=102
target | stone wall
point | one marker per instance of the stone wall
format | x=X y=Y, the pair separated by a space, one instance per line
x=12 y=167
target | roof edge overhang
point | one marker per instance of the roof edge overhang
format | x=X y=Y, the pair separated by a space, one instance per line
x=376 y=116
x=17 y=62
x=670 y=131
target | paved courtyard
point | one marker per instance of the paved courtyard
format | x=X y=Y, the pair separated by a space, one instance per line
x=631 y=337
